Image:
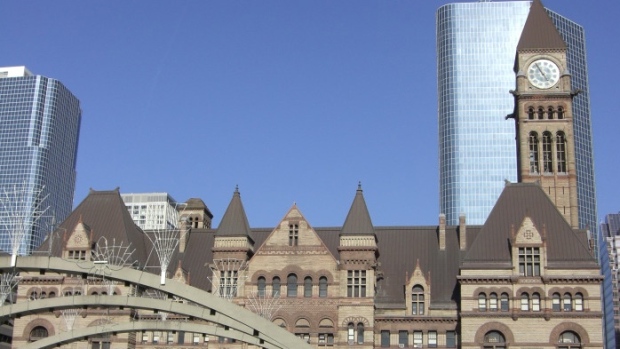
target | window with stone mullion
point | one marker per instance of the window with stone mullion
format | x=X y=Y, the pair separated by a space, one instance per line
x=356 y=283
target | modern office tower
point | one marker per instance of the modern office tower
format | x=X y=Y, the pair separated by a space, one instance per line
x=39 y=129
x=476 y=46
x=151 y=211
x=610 y=243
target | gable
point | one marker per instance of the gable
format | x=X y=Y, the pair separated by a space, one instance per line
x=293 y=238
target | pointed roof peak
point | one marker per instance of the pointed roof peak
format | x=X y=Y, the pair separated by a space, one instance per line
x=234 y=222
x=539 y=31
x=358 y=220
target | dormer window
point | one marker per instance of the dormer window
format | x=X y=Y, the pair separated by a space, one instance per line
x=417 y=300
x=529 y=261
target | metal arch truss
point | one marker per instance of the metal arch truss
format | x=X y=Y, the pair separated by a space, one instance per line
x=229 y=319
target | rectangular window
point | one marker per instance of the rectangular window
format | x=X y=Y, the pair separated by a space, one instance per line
x=304 y=336
x=417 y=339
x=156 y=335
x=432 y=339
x=293 y=234
x=385 y=339
x=228 y=283
x=529 y=261
x=356 y=283
x=145 y=337
x=170 y=337
x=403 y=339
x=196 y=338
x=326 y=339
x=451 y=339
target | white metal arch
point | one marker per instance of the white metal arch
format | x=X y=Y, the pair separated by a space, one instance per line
x=220 y=311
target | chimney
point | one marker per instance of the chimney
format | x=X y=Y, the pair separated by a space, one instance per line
x=184 y=234
x=442 y=232
x=462 y=232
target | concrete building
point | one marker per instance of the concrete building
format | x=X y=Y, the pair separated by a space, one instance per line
x=152 y=210
x=39 y=129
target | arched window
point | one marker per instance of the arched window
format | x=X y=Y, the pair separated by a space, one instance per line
x=291 y=285
x=560 y=151
x=533 y=143
x=567 y=304
x=417 y=300
x=541 y=113
x=308 y=287
x=351 y=333
x=535 y=302
x=555 y=302
x=569 y=340
x=504 y=302
x=494 y=340
x=360 y=333
x=550 y=113
x=578 y=302
x=37 y=333
x=525 y=302
x=261 y=284
x=547 y=158
x=322 y=286
x=560 y=113
x=52 y=294
x=493 y=301
x=482 y=302
x=275 y=287
x=530 y=113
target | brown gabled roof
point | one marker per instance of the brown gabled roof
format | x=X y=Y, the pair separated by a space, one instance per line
x=106 y=215
x=235 y=222
x=401 y=247
x=518 y=201
x=358 y=220
x=539 y=31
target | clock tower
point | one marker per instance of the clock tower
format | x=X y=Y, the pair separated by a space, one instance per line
x=543 y=113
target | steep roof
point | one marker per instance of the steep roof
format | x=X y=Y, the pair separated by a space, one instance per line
x=539 y=31
x=358 y=220
x=565 y=246
x=104 y=212
x=234 y=222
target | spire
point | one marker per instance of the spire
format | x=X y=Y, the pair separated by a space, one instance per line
x=539 y=31
x=358 y=220
x=234 y=222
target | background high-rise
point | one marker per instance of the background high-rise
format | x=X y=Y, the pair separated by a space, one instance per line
x=39 y=129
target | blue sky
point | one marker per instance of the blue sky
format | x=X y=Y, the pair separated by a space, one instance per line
x=294 y=101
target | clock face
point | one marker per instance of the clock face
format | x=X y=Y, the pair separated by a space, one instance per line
x=543 y=73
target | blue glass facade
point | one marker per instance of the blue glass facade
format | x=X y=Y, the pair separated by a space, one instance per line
x=39 y=128
x=476 y=47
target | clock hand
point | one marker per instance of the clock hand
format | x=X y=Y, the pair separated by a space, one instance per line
x=542 y=72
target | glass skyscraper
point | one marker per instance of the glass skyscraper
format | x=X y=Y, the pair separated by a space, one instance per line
x=39 y=129
x=476 y=48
